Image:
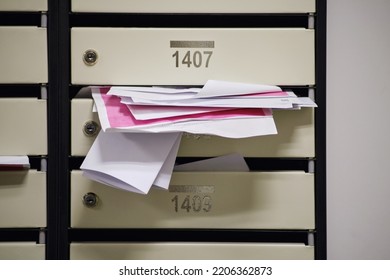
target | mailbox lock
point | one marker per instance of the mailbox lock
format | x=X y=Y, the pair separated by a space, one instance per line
x=90 y=57
x=90 y=200
x=90 y=128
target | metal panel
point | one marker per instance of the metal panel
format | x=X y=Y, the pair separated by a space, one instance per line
x=21 y=251
x=22 y=199
x=188 y=251
x=257 y=200
x=167 y=56
x=23 y=126
x=295 y=136
x=23 y=54
x=23 y=5
x=192 y=6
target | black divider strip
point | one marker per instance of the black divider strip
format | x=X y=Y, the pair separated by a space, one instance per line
x=188 y=20
x=20 y=18
x=320 y=137
x=186 y=235
x=26 y=90
x=19 y=235
x=255 y=164
x=58 y=128
x=302 y=91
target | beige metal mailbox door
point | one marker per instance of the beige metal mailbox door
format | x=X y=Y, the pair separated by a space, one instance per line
x=21 y=251
x=23 y=126
x=23 y=55
x=22 y=199
x=23 y=5
x=194 y=6
x=239 y=200
x=172 y=56
x=189 y=251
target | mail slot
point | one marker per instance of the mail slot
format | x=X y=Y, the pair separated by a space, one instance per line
x=295 y=136
x=190 y=251
x=167 y=56
x=22 y=199
x=239 y=200
x=192 y=6
x=23 y=126
x=22 y=251
x=23 y=54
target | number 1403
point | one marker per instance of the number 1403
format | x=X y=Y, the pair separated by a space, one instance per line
x=194 y=203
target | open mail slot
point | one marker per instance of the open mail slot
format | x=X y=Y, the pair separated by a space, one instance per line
x=295 y=136
x=23 y=126
x=192 y=6
x=22 y=199
x=168 y=56
x=188 y=251
x=23 y=54
x=239 y=200
x=21 y=251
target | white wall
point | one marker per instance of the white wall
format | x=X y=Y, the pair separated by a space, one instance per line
x=358 y=127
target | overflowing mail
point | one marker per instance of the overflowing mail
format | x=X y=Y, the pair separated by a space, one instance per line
x=142 y=126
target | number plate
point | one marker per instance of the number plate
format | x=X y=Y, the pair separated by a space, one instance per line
x=196 y=200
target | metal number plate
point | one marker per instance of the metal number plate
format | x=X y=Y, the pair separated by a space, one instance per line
x=192 y=199
x=192 y=53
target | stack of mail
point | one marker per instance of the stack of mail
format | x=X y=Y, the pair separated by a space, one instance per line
x=142 y=126
x=227 y=109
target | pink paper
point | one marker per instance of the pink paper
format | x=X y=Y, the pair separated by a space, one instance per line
x=119 y=115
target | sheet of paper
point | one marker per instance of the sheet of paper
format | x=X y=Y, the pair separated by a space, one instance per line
x=165 y=174
x=305 y=102
x=14 y=163
x=231 y=128
x=141 y=112
x=151 y=95
x=133 y=158
x=156 y=89
x=284 y=102
x=231 y=162
x=214 y=88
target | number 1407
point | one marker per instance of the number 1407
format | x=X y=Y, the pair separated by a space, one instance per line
x=196 y=59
